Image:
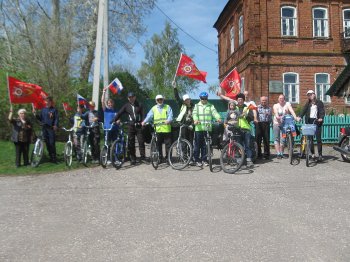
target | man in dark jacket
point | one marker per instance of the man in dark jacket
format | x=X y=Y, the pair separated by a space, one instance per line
x=314 y=113
x=134 y=111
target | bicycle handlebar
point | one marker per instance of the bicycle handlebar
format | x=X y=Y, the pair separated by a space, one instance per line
x=68 y=130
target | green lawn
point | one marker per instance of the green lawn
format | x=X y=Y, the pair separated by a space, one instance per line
x=7 y=161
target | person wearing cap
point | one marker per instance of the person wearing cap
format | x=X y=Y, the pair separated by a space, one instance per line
x=92 y=121
x=314 y=113
x=50 y=120
x=203 y=114
x=109 y=114
x=21 y=135
x=162 y=116
x=135 y=113
x=185 y=116
x=262 y=127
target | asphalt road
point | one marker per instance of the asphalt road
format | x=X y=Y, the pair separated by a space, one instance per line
x=272 y=212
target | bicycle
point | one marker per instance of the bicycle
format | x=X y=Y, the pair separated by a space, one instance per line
x=118 y=151
x=308 y=131
x=68 y=148
x=233 y=154
x=38 y=150
x=180 y=152
x=288 y=132
x=105 y=151
x=86 y=149
x=208 y=145
x=154 y=152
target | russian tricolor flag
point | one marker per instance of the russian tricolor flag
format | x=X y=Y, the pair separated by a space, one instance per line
x=81 y=100
x=116 y=86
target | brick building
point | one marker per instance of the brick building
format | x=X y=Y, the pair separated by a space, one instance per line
x=286 y=47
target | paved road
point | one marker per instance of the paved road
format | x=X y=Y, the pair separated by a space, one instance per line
x=272 y=212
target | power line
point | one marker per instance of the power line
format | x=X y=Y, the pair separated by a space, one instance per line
x=194 y=39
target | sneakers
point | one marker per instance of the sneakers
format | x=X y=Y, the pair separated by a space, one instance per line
x=199 y=164
x=249 y=163
x=320 y=158
x=144 y=160
x=206 y=163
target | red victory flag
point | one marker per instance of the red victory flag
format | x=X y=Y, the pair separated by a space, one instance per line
x=66 y=106
x=188 y=68
x=40 y=102
x=22 y=92
x=232 y=84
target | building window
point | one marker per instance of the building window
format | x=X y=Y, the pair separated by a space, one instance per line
x=347 y=100
x=346 y=23
x=240 y=32
x=320 y=22
x=232 y=39
x=288 y=21
x=321 y=86
x=291 y=87
x=242 y=85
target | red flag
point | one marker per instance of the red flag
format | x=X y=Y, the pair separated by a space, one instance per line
x=66 y=106
x=188 y=68
x=22 y=92
x=232 y=84
x=40 y=102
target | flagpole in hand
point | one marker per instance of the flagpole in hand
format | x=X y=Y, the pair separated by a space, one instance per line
x=64 y=108
x=177 y=68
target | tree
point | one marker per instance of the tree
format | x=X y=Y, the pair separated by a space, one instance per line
x=162 y=54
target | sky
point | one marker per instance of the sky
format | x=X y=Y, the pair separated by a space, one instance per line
x=197 y=18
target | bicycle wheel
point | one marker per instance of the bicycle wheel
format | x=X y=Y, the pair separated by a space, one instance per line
x=154 y=154
x=117 y=153
x=37 y=153
x=232 y=157
x=85 y=153
x=104 y=156
x=344 y=144
x=180 y=154
x=302 y=147
x=290 y=148
x=209 y=155
x=308 y=151
x=68 y=154
x=254 y=151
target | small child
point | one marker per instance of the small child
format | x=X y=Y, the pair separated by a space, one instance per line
x=231 y=118
x=79 y=130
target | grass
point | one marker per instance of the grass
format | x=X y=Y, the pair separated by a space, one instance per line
x=7 y=161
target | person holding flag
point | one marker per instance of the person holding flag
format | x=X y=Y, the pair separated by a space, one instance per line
x=109 y=114
x=50 y=120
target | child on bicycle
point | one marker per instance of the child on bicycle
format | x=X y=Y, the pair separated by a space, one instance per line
x=79 y=130
x=203 y=114
x=231 y=118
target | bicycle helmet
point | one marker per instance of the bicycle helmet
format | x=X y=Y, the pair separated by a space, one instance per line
x=203 y=95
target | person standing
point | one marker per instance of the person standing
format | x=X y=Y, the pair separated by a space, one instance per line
x=135 y=113
x=262 y=127
x=92 y=118
x=79 y=121
x=314 y=113
x=50 y=120
x=109 y=114
x=21 y=136
x=162 y=116
x=203 y=114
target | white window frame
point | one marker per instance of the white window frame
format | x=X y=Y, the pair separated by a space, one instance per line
x=318 y=23
x=288 y=88
x=242 y=85
x=322 y=88
x=289 y=22
x=347 y=100
x=232 y=39
x=240 y=30
x=346 y=24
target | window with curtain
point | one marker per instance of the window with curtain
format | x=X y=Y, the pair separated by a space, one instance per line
x=291 y=87
x=240 y=32
x=232 y=39
x=346 y=23
x=321 y=86
x=288 y=21
x=320 y=22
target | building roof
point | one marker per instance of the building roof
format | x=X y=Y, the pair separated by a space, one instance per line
x=340 y=87
x=222 y=14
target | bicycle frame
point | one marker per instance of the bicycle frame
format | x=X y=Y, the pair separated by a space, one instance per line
x=105 y=154
x=68 y=149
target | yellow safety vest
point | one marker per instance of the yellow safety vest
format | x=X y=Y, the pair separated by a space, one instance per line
x=161 y=117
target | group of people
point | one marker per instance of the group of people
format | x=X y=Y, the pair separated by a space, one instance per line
x=198 y=119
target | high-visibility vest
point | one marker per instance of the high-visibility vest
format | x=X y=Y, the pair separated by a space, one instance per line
x=204 y=114
x=161 y=117
x=242 y=121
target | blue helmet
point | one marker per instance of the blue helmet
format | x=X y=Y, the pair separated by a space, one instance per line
x=203 y=95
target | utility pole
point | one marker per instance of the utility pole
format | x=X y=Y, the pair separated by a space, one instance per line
x=105 y=49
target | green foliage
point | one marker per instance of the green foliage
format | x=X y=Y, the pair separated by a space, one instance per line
x=162 y=54
x=298 y=110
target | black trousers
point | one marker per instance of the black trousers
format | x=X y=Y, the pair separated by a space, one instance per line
x=262 y=134
x=187 y=133
x=132 y=132
x=166 y=139
x=22 y=148
x=49 y=136
x=318 y=135
x=95 y=143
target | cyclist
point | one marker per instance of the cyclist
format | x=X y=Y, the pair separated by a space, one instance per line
x=108 y=115
x=134 y=110
x=231 y=118
x=162 y=116
x=314 y=111
x=203 y=114
x=185 y=116
x=79 y=120
x=49 y=118
x=92 y=120
x=246 y=116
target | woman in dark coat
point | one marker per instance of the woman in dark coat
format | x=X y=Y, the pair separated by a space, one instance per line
x=21 y=136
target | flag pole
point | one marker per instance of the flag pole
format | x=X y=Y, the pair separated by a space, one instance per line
x=8 y=87
x=177 y=67
x=64 y=108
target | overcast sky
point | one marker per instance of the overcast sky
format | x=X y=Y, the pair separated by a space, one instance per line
x=197 y=18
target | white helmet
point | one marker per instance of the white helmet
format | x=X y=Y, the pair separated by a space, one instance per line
x=159 y=97
x=185 y=97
